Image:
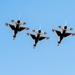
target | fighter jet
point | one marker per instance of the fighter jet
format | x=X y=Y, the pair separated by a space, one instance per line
x=63 y=33
x=37 y=37
x=16 y=27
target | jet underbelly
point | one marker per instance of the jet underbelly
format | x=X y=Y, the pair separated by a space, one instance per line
x=37 y=38
x=16 y=29
x=64 y=31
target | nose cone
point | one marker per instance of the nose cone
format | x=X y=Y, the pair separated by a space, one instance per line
x=39 y=31
x=65 y=27
x=18 y=21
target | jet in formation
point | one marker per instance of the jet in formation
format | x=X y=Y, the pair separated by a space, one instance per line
x=63 y=33
x=37 y=37
x=16 y=27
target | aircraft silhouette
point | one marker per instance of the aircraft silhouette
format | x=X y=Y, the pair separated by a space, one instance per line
x=63 y=33
x=16 y=27
x=37 y=37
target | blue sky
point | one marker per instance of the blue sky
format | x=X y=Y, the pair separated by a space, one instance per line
x=17 y=57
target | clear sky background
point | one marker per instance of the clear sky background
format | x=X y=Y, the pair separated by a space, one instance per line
x=17 y=57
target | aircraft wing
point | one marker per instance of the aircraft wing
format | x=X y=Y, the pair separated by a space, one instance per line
x=32 y=36
x=68 y=34
x=43 y=38
x=22 y=23
x=23 y=28
x=57 y=32
x=11 y=26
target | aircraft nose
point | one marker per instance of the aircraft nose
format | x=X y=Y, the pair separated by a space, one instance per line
x=18 y=21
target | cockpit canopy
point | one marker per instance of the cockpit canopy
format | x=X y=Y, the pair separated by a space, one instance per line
x=39 y=31
x=18 y=21
x=65 y=27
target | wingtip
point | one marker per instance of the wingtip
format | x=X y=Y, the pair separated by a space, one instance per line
x=53 y=30
x=73 y=34
x=71 y=28
x=59 y=26
x=12 y=20
x=33 y=30
x=28 y=34
x=45 y=33
x=6 y=24
x=24 y=23
x=27 y=28
x=48 y=38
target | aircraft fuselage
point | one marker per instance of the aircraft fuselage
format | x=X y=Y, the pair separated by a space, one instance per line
x=37 y=38
x=63 y=33
x=16 y=28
